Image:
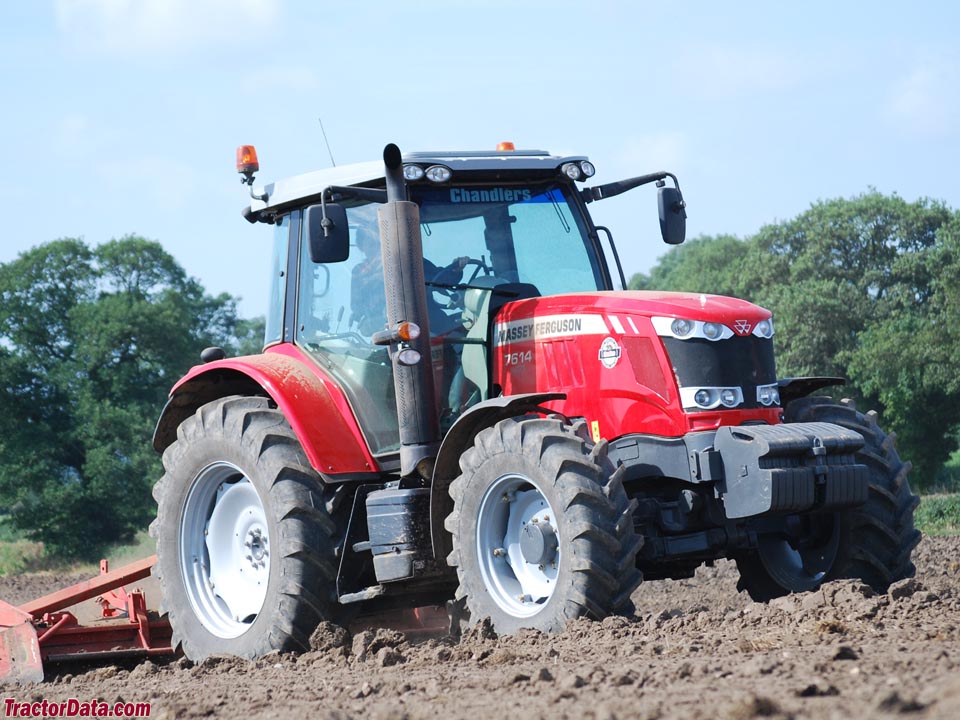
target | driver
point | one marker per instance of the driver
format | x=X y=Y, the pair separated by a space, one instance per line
x=368 y=307
x=368 y=310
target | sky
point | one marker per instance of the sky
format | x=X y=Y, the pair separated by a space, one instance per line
x=123 y=116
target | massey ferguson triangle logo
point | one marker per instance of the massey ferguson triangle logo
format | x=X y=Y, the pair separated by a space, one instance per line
x=742 y=327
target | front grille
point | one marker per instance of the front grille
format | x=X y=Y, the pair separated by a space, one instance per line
x=743 y=362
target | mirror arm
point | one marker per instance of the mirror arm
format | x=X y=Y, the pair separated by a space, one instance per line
x=601 y=192
x=337 y=192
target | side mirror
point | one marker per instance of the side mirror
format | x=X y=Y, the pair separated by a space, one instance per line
x=673 y=215
x=327 y=231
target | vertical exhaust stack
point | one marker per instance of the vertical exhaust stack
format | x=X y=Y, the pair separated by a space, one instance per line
x=406 y=294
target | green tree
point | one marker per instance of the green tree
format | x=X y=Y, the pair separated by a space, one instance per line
x=90 y=342
x=707 y=264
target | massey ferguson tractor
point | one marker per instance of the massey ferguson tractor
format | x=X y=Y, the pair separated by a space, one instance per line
x=454 y=405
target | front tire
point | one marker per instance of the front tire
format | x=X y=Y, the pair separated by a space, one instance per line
x=872 y=542
x=245 y=537
x=542 y=528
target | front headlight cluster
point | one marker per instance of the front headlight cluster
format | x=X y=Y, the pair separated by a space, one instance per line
x=578 y=170
x=709 y=398
x=684 y=329
x=434 y=173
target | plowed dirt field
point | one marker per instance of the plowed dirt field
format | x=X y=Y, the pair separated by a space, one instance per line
x=693 y=649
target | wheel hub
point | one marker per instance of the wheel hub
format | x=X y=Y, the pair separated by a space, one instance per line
x=538 y=543
x=256 y=544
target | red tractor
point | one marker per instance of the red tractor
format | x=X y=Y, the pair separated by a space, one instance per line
x=453 y=404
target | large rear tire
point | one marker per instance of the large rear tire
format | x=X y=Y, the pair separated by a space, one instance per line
x=872 y=542
x=542 y=528
x=245 y=537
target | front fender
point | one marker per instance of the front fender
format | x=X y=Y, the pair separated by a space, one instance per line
x=459 y=438
x=315 y=407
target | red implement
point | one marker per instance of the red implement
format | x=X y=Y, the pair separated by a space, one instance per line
x=42 y=631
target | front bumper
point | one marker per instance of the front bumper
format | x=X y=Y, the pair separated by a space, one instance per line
x=756 y=470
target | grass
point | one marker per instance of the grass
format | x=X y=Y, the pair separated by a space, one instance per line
x=939 y=515
x=23 y=556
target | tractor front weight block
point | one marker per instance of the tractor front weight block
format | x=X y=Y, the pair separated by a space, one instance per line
x=778 y=469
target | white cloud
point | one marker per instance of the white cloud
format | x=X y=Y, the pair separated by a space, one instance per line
x=924 y=101
x=151 y=26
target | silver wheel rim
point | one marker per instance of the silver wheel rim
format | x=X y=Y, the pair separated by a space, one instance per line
x=799 y=568
x=514 y=506
x=224 y=550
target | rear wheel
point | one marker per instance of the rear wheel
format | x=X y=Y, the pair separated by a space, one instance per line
x=872 y=542
x=245 y=537
x=542 y=528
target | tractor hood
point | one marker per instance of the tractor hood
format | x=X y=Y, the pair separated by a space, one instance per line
x=692 y=306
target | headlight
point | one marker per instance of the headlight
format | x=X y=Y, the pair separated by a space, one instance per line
x=438 y=173
x=764 y=328
x=412 y=172
x=704 y=398
x=681 y=328
x=588 y=169
x=571 y=170
x=712 y=330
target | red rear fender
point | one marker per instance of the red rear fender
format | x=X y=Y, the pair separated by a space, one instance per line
x=314 y=405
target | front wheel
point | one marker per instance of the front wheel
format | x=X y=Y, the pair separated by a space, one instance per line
x=542 y=528
x=872 y=542
x=245 y=537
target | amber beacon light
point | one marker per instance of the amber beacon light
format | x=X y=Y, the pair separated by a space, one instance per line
x=247 y=162
x=505 y=147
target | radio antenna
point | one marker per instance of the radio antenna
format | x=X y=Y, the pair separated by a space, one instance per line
x=326 y=142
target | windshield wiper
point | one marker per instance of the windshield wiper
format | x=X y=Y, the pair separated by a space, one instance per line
x=466 y=286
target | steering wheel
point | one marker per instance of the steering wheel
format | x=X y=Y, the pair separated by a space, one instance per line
x=452 y=294
x=481 y=265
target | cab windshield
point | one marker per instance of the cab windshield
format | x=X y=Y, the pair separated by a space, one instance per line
x=472 y=236
x=521 y=234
